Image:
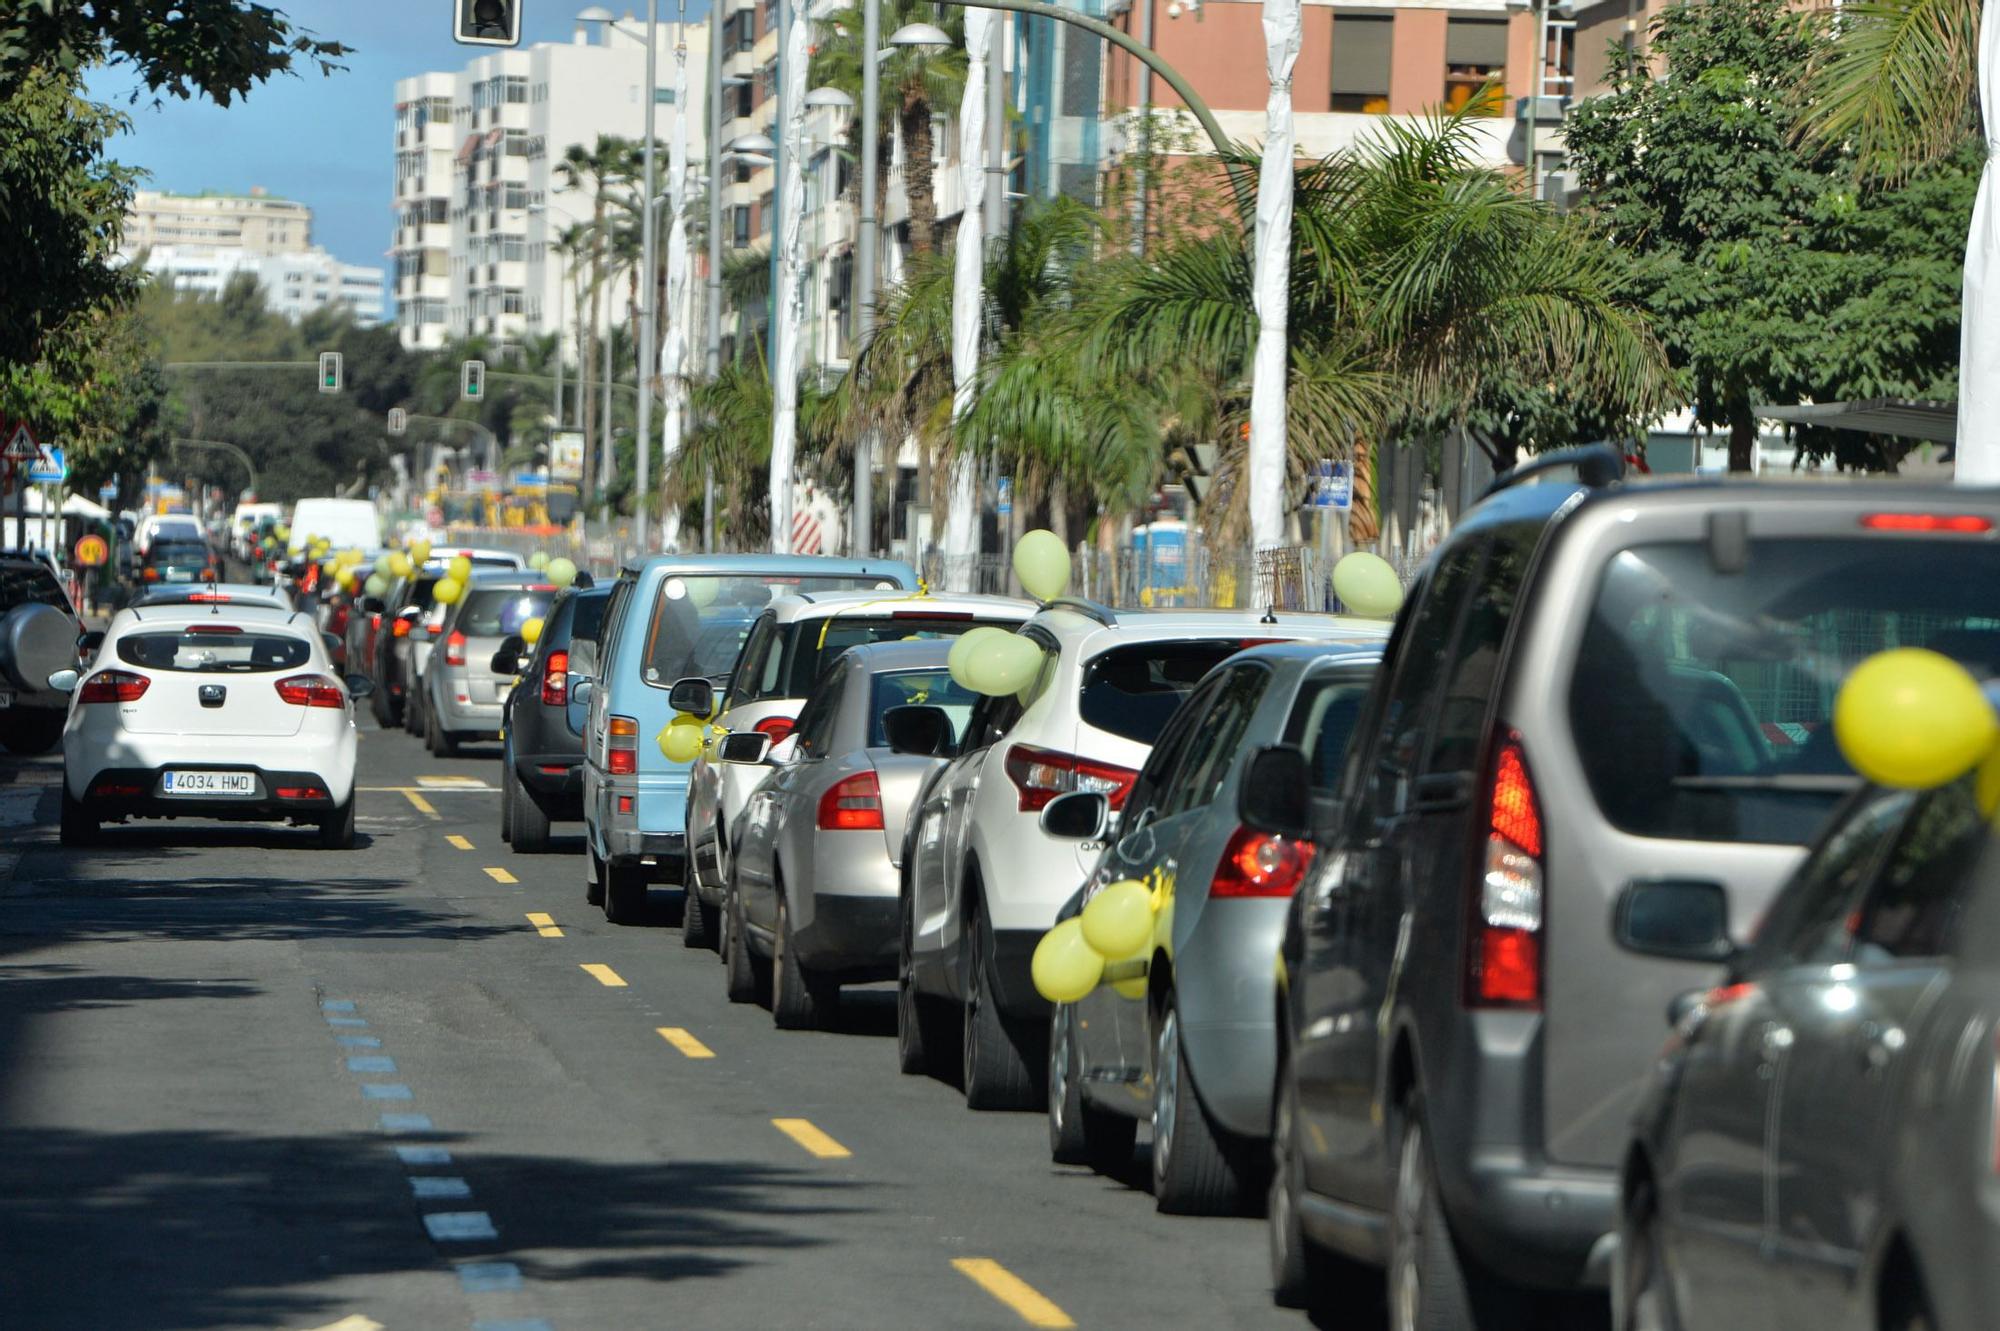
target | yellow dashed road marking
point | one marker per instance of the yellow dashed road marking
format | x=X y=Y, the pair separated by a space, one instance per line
x=500 y=875
x=458 y=841
x=544 y=924
x=423 y=805
x=686 y=1043
x=810 y=1137
x=1028 y=1303
x=604 y=975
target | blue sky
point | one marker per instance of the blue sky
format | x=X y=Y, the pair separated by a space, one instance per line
x=325 y=141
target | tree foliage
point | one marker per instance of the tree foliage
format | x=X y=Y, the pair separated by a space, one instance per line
x=218 y=49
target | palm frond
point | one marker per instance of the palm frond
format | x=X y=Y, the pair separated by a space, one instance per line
x=1896 y=79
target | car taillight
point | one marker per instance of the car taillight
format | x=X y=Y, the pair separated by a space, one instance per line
x=113 y=686
x=777 y=727
x=151 y=575
x=337 y=621
x=555 y=680
x=375 y=623
x=1964 y=523
x=454 y=649
x=1504 y=962
x=1042 y=774
x=853 y=804
x=1256 y=865
x=400 y=629
x=311 y=691
x=621 y=756
x=305 y=792
x=434 y=629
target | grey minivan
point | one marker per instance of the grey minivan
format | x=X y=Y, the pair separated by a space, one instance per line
x=1592 y=685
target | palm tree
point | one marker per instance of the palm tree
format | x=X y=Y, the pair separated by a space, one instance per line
x=731 y=439
x=612 y=161
x=1896 y=79
x=914 y=82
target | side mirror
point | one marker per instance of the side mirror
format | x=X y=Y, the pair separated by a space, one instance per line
x=511 y=657
x=411 y=612
x=1275 y=795
x=1083 y=815
x=693 y=696
x=922 y=731
x=1675 y=919
x=745 y=746
x=64 y=681
x=576 y=712
x=371 y=605
x=358 y=686
x=87 y=646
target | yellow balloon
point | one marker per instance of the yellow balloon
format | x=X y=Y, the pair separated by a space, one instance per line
x=1913 y=719
x=680 y=740
x=538 y=560
x=282 y=532
x=351 y=558
x=1368 y=586
x=381 y=566
x=460 y=567
x=1987 y=787
x=420 y=550
x=1118 y=921
x=562 y=572
x=1064 y=967
x=961 y=651
x=531 y=632
x=376 y=584
x=400 y=565
x=1042 y=564
x=329 y=567
x=1132 y=987
x=448 y=590
x=1002 y=664
x=703 y=591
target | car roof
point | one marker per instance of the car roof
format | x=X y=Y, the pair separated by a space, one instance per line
x=511 y=577
x=175 y=615
x=1081 y=623
x=800 y=565
x=1310 y=651
x=442 y=557
x=180 y=593
x=880 y=657
x=826 y=605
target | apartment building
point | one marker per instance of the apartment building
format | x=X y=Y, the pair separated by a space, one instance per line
x=254 y=223
x=482 y=204
x=295 y=284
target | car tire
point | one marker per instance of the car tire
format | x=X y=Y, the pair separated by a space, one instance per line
x=1080 y=1133
x=1644 y=1294
x=624 y=892
x=506 y=801
x=800 y=999
x=697 y=921
x=1303 y=1274
x=1431 y=1285
x=79 y=825
x=739 y=968
x=379 y=705
x=336 y=830
x=998 y=1072
x=1197 y=1168
x=413 y=717
x=32 y=732
x=593 y=875
x=924 y=1030
x=437 y=738
x=528 y=820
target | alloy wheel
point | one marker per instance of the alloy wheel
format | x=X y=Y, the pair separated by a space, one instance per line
x=1166 y=1091
x=1405 y=1285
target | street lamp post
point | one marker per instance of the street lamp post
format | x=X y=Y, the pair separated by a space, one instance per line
x=648 y=257
x=714 y=293
x=863 y=538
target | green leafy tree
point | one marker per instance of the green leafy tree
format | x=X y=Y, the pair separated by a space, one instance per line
x=218 y=49
x=1895 y=80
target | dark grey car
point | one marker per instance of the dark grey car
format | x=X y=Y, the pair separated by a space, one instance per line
x=1186 y=1040
x=541 y=758
x=1819 y=1149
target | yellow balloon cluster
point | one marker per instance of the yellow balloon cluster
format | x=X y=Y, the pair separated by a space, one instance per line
x=993 y=661
x=531 y=632
x=1123 y=922
x=538 y=560
x=1915 y=719
x=680 y=740
x=1368 y=586
x=448 y=590
x=400 y=565
x=1041 y=562
x=420 y=550
x=460 y=569
x=562 y=572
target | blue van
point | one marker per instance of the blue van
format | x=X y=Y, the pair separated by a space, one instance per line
x=671 y=617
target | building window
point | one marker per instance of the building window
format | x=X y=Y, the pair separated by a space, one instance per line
x=741 y=235
x=517 y=194
x=1475 y=55
x=512 y=301
x=767 y=82
x=1361 y=44
x=517 y=89
x=1559 y=58
x=745 y=101
x=513 y=249
x=517 y=143
x=437 y=209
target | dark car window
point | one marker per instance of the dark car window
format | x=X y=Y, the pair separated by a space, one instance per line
x=1322 y=724
x=758 y=669
x=587 y=616
x=1213 y=746
x=201 y=649
x=1406 y=711
x=1701 y=697
x=1812 y=920
x=917 y=688
x=1148 y=792
x=815 y=725
x=817 y=643
x=687 y=638
x=1131 y=691
x=495 y=612
x=1920 y=894
x=1466 y=690
x=29 y=584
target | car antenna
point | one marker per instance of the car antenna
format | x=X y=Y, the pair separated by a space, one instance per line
x=1270 y=614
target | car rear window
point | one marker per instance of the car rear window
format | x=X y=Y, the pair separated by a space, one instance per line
x=177 y=552
x=818 y=643
x=917 y=688
x=1131 y=691
x=1322 y=724
x=218 y=649
x=495 y=612
x=1701 y=698
x=586 y=619
x=29 y=584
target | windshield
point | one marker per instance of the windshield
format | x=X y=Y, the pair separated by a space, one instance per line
x=917 y=688
x=1131 y=691
x=203 y=649
x=819 y=642
x=1701 y=699
x=499 y=611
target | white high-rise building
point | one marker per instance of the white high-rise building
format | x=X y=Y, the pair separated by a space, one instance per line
x=257 y=222
x=481 y=206
x=295 y=284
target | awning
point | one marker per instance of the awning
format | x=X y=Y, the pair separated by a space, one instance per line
x=465 y=149
x=1935 y=421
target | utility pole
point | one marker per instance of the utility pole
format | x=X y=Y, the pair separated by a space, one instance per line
x=714 y=320
x=648 y=260
x=864 y=263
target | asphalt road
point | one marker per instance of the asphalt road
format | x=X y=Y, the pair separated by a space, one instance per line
x=248 y=1083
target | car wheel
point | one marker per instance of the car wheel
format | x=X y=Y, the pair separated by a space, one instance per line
x=997 y=1071
x=739 y=973
x=1197 y=1169
x=33 y=732
x=79 y=826
x=1079 y=1132
x=379 y=705
x=800 y=999
x=506 y=801
x=593 y=875
x=624 y=892
x=336 y=830
x=697 y=921
x=437 y=738
x=413 y=716
x=1431 y=1286
x=923 y=1026
x=1643 y=1288
x=529 y=820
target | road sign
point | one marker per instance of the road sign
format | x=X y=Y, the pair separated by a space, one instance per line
x=1004 y=504
x=92 y=551
x=530 y=481
x=806 y=534
x=1335 y=488
x=49 y=466
x=566 y=455
x=21 y=446
x=108 y=491
x=482 y=479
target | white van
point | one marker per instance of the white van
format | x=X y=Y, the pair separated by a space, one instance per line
x=343 y=523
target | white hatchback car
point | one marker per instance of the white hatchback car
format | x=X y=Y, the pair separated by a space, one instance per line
x=185 y=706
x=982 y=881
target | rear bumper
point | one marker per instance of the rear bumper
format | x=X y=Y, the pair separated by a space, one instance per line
x=662 y=854
x=457 y=717
x=1547 y=1226
x=851 y=936
x=556 y=779
x=133 y=792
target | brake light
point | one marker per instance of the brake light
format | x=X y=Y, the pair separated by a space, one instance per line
x=1042 y=774
x=1256 y=865
x=307 y=792
x=208 y=598
x=337 y=621
x=853 y=804
x=113 y=686
x=778 y=728
x=211 y=628
x=151 y=575
x=434 y=629
x=1967 y=523
x=1504 y=961
x=454 y=649
x=311 y=691
x=555 y=680
x=375 y=622
x=621 y=744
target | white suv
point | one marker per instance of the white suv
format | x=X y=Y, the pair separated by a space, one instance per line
x=982 y=881
x=791 y=645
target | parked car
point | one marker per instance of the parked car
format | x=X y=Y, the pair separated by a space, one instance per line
x=813 y=889
x=168 y=561
x=1818 y=1145
x=193 y=714
x=791 y=645
x=669 y=618
x=1591 y=685
x=983 y=881
x=413 y=619
x=541 y=758
x=1188 y=1042
x=463 y=690
x=39 y=634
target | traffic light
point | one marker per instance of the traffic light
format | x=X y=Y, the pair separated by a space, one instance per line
x=399 y=420
x=472 y=380
x=329 y=372
x=487 y=22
